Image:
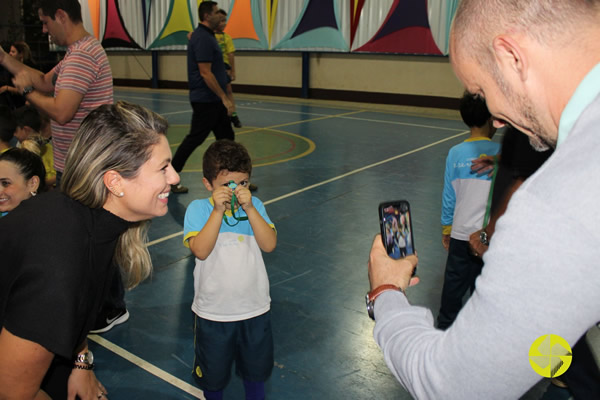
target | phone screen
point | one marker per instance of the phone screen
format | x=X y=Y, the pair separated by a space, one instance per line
x=396 y=228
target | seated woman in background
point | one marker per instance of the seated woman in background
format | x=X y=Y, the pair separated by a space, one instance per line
x=21 y=51
x=22 y=175
x=59 y=250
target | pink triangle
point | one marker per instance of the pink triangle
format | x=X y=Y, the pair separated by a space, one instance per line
x=114 y=28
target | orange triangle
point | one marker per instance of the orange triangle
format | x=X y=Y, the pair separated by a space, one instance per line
x=240 y=24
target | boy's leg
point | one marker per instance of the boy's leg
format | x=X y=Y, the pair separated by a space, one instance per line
x=456 y=282
x=254 y=359
x=214 y=347
x=254 y=390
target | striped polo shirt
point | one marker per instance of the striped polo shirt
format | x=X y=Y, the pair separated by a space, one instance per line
x=84 y=69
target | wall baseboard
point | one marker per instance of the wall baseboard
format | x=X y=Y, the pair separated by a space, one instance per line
x=321 y=94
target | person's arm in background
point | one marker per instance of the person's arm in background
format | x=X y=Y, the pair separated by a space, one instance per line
x=40 y=81
x=231 y=58
x=9 y=89
x=448 y=204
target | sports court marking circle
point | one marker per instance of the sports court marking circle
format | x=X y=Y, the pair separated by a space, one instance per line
x=267 y=147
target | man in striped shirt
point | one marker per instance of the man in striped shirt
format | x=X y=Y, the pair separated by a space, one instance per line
x=81 y=82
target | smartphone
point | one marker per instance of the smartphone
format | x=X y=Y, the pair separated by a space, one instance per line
x=395 y=222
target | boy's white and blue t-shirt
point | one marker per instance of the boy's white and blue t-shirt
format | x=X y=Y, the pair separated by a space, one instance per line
x=232 y=283
x=466 y=193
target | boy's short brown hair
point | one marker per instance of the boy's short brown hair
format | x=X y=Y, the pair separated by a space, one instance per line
x=224 y=155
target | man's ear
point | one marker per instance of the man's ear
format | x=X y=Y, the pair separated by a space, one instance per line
x=207 y=184
x=114 y=182
x=510 y=56
x=60 y=16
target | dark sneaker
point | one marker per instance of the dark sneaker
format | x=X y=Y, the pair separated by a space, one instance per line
x=107 y=321
x=252 y=187
x=235 y=120
x=179 y=189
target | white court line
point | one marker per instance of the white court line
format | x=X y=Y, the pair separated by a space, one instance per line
x=171 y=236
x=177 y=112
x=151 y=99
x=292 y=278
x=145 y=365
x=304 y=113
x=336 y=178
x=403 y=123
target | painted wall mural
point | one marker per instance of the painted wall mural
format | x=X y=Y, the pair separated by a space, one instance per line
x=373 y=26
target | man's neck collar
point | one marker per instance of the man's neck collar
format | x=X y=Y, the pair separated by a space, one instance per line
x=77 y=33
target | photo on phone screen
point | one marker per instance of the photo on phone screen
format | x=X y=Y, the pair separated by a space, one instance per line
x=396 y=228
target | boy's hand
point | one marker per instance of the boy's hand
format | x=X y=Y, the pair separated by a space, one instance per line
x=446 y=241
x=244 y=197
x=222 y=198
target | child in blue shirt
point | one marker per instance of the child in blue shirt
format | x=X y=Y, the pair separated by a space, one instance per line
x=227 y=233
x=464 y=202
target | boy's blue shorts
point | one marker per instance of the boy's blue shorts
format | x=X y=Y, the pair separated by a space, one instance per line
x=218 y=344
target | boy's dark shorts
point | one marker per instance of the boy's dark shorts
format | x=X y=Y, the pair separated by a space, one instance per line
x=218 y=344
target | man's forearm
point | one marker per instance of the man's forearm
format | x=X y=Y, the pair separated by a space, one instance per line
x=213 y=85
x=11 y=64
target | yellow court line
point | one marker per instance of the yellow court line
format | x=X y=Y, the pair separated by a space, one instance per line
x=145 y=365
x=210 y=138
x=311 y=147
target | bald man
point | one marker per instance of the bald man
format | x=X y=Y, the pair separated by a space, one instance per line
x=537 y=64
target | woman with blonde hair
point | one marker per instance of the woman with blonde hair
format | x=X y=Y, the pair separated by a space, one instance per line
x=59 y=250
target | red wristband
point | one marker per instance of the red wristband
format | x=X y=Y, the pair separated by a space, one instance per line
x=373 y=294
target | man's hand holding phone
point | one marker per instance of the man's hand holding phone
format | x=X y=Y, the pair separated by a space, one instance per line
x=385 y=270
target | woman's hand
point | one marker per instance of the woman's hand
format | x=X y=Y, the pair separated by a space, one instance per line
x=83 y=383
